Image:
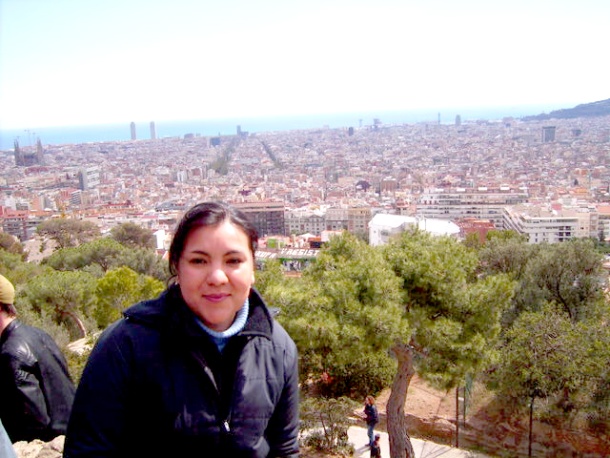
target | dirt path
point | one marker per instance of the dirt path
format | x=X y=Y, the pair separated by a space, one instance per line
x=424 y=402
x=431 y=415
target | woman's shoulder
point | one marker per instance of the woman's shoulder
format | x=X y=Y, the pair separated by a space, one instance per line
x=146 y=317
x=281 y=337
x=152 y=311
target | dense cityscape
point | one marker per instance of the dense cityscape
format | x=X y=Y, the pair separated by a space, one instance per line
x=546 y=179
x=304 y=229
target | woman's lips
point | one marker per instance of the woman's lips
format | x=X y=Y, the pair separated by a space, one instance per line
x=215 y=297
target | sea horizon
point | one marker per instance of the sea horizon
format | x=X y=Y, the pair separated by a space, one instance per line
x=113 y=132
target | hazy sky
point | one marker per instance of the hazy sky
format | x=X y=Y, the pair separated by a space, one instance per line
x=68 y=62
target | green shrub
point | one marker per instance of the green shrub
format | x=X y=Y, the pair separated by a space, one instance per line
x=324 y=424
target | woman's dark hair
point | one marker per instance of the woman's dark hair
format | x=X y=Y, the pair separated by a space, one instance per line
x=207 y=214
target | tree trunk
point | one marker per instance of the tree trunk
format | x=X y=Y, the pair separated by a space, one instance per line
x=529 y=442
x=457 y=415
x=77 y=321
x=400 y=442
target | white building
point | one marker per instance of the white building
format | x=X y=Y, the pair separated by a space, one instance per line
x=163 y=239
x=540 y=224
x=89 y=177
x=384 y=226
x=458 y=203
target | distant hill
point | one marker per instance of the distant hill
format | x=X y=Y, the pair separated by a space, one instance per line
x=586 y=110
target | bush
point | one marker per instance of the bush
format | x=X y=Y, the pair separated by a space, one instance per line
x=76 y=364
x=324 y=424
x=359 y=378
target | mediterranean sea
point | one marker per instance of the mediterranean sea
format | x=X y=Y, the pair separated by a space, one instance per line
x=228 y=126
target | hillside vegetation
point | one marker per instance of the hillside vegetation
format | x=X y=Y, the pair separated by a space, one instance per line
x=585 y=110
x=518 y=329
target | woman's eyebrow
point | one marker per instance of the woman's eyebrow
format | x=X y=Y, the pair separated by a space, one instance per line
x=196 y=251
x=227 y=253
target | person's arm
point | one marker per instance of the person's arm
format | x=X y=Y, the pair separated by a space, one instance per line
x=98 y=420
x=283 y=430
x=368 y=413
x=6 y=447
x=28 y=417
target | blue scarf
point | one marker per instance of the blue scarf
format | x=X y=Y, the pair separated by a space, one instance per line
x=221 y=338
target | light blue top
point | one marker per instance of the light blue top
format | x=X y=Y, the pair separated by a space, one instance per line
x=221 y=338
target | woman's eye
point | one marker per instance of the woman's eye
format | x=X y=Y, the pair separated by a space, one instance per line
x=197 y=261
x=234 y=261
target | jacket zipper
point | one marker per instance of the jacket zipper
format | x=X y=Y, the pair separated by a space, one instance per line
x=226 y=425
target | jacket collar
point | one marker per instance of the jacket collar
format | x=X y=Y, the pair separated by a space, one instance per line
x=170 y=308
x=259 y=320
x=9 y=329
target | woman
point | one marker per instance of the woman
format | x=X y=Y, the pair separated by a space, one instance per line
x=203 y=370
x=371 y=417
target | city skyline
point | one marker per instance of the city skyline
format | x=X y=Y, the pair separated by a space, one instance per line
x=322 y=176
x=67 y=63
x=214 y=127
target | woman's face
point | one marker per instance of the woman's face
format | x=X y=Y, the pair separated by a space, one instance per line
x=215 y=273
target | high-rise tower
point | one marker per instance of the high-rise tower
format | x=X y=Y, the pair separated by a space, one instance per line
x=19 y=156
x=39 y=152
x=153 y=132
x=133 y=130
x=548 y=134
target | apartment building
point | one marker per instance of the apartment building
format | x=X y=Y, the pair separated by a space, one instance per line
x=19 y=223
x=267 y=217
x=89 y=177
x=603 y=214
x=336 y=219
x=358 y=220
x=481 y=203
x=540 y=224
x=474 y=226
x=304 y=221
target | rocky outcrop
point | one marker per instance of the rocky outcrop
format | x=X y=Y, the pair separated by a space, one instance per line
x=40 y=449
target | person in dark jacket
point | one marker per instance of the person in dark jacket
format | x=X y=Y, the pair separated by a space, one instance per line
x=202 y=370
x=37 y=391
x=371 y=417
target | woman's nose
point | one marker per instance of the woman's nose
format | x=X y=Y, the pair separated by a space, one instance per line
x=217 y=276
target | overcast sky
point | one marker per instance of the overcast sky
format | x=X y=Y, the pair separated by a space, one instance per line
x=73 y=62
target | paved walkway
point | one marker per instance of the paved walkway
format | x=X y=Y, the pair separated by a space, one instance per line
x=423 y=449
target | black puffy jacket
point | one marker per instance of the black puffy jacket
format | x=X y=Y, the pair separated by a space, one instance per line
x=37 y=392
x=156 y=385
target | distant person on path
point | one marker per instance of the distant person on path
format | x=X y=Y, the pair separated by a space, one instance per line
x=37 y=392
x=202 y=370
x=371 y=417
x=376 y=447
